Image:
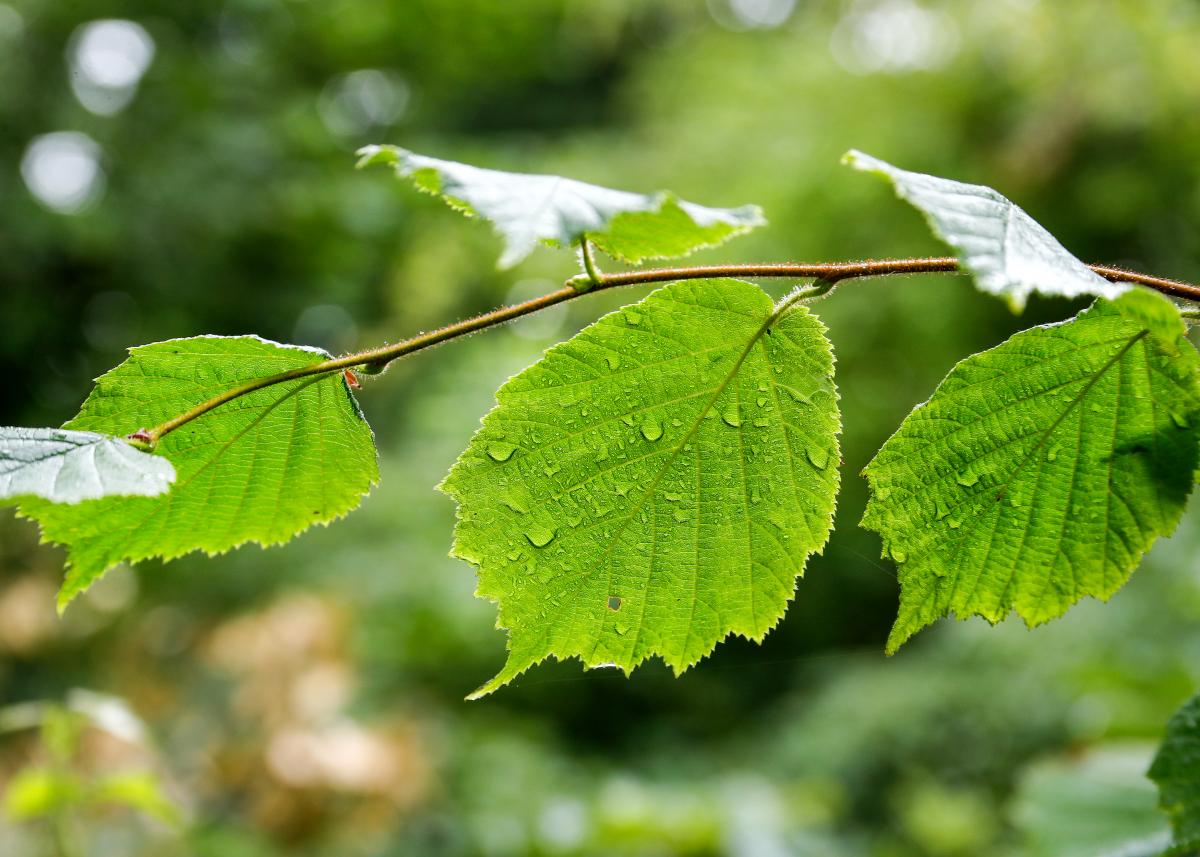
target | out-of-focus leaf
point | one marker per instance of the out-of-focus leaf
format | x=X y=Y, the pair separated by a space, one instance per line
x=139 y=791
x=1097 y=805
x=1176 y=770
x=37 y=792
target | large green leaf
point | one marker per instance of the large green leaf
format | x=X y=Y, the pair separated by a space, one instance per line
x=655 y=483
x=1041 y=470
x=72 y=466
x=528 y=209
x=1007 y=251
x=1176 y=770
x=261 y=468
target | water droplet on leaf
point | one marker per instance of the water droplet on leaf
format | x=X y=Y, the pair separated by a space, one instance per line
x=498 y=450
x=652 y=429
x=540 y=536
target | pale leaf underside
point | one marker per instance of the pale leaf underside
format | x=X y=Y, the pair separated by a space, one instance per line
x=261 y=468
x=1041 y=470
x=531 y=209
x=1007 y=251
x=71 y=466
x=655 y=483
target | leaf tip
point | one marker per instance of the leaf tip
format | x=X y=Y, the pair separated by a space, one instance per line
x=376 y=153
x=862 y=161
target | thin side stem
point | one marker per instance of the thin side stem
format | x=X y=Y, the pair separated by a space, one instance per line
x=589 y=263
x=827 y=274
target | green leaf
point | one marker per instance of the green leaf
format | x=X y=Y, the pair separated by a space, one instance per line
x=528 y=209
x=136 y=790
x=1176 y=771
x=1041 y=470
x=72 y=466
x=1097 y=803
x=1007 y=251
x=261 y=468
x=655 y=483
x=37 y=792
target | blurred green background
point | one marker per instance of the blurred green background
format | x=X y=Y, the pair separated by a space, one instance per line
x=174 y=169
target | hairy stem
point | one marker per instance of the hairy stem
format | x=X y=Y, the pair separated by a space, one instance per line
x=826 y=274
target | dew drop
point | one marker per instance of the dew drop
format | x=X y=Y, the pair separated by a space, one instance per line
x=761 y=400
x=540 y=536
x=510 y=500
x=732 y=417
x=634 y=318
x=498 y=450
x=676 y=423
x=762 y=423
x=1180 y=420
x=627 y=419
x=613 y=361
x=967 y=479
x=681 y=517
x=899 y=555
x=819 y=457
x=652 y=429
x=1052 y=453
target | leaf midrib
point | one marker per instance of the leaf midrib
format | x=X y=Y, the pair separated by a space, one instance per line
x=771 y=318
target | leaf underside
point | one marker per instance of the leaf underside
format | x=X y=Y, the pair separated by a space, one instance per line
x=530 y=209
x=261 y=468
x=1007 y=251
x=1176 y=771
x=72 y=466
x=655 y=483
x=1041 y=470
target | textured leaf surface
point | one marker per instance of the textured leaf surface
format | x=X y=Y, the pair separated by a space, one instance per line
x=72 y=466
x=655 y=483
x=1007 y=251
x=1041 y=470
x=528 y=209
x=261 y=468
x=1176 y=770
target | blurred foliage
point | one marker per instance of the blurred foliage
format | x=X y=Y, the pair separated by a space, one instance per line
x=308 y=700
